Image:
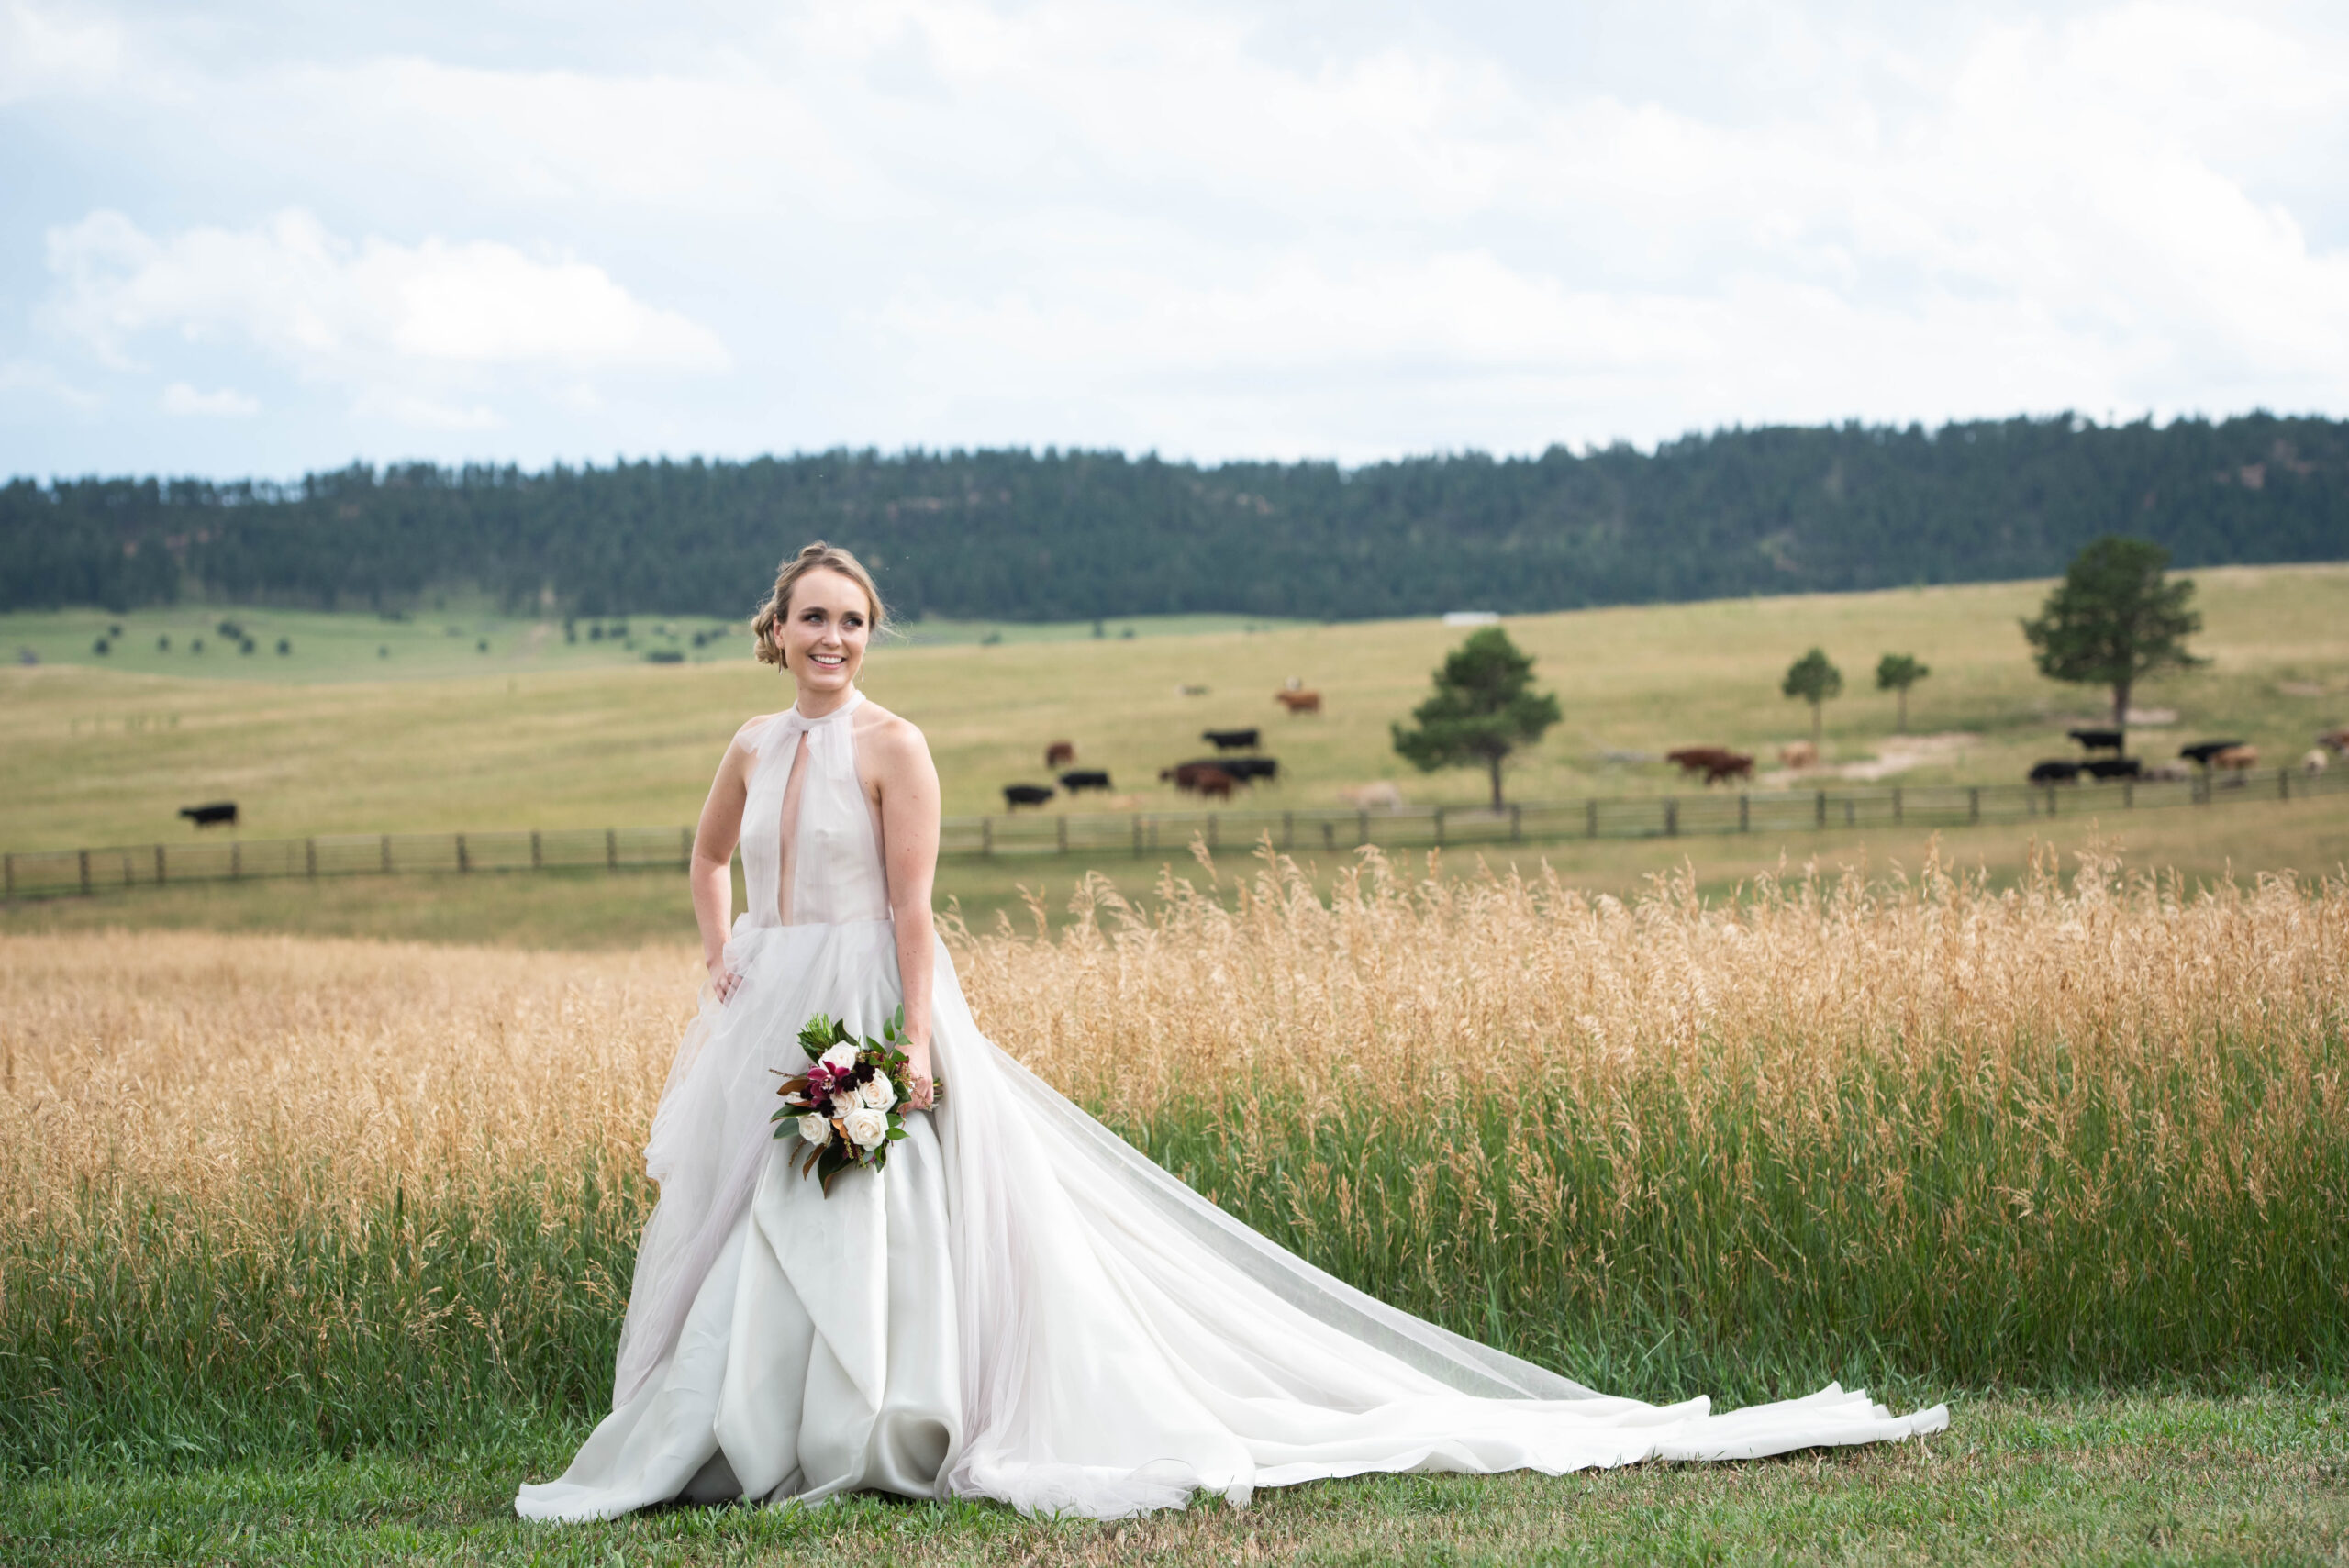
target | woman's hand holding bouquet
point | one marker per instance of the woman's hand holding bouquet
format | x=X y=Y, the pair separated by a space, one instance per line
x=848 y=1107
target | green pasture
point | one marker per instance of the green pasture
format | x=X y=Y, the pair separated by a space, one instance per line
x=209 y=641
x=543 y=733
x=594 y=909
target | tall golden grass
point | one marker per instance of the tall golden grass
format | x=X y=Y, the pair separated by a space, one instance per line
x=289 y=1193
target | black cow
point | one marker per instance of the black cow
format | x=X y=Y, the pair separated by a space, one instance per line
x=2058 y=770
x=2202 y=751
x=1230 y=739
x=2099 y=739
x=2114 y=767
x=1248 y=770
x=219 y=811
x=1017 y=795
x=1085 y=778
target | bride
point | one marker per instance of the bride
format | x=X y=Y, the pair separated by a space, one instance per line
x=1018 y=1305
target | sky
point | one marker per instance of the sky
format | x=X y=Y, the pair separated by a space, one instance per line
x=272 y=238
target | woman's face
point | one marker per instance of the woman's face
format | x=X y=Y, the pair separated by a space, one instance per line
x=824 y=635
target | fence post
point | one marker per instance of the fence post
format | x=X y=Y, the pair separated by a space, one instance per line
x=1060 y=834
x=387 y=855
x=1745 y=812
x=1137 y=834
x=1671 y=817
x=1439 y=827
x=611 y=849
x=2051 y=800
x=1822 y=808
x=1362 y=827
x=686 y=847
x=2283 y=784
x=1211 y=831
x=465 y=861
x=1329 y=835
x=1288 y=829
x=10 y=862
x=538 y=861
x=1851 y=810
x=986 y=836
x=158 y=865
x=236 y=861
x=2128 y=795
x=1895 y=805
x=85 y=871
x=309 y=857
x=1590 y=817
x=1515 y=823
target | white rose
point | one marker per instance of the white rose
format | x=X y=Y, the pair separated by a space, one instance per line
x=877 y=1092
x=865 y=1127
x=815 y=1130
x=841 y=1058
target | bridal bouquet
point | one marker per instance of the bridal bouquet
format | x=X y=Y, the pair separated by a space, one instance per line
x=848 y=1107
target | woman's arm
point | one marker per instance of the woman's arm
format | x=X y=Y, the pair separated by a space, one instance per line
x=909 y=797
x=712 y=876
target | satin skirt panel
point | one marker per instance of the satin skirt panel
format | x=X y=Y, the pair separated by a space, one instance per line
x=812 y=1348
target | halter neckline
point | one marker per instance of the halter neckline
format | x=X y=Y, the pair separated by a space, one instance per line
x=797 y=720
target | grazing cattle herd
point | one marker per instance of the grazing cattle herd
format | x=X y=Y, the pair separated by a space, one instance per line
x=1238 y=763
x=2230 y=757
x=1210 y=778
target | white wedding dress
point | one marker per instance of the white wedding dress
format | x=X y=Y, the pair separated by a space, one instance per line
x=1020 y=1305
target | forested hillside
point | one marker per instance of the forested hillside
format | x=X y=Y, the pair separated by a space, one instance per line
x=1022 y=535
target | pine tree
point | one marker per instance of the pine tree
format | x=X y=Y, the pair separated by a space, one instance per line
x=1483 y=710
x=2115 y=619
x=1815 y=680
x=1898 y=673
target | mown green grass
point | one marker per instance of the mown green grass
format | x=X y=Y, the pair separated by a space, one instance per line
x=2260 y=1477
x=106 y=756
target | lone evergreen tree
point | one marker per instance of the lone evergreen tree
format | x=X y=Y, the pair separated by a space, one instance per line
x=2115 y=619
x=1813 y=679
x=1483 y=710
x=1898 y=673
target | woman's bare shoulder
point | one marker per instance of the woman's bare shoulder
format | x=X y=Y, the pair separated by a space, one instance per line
x=746 y=737
x=888 y=735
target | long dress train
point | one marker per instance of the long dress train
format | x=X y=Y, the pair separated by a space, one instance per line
x=1020 y=1305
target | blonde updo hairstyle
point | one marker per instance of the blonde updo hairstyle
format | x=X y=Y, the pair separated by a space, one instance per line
x=817 y=557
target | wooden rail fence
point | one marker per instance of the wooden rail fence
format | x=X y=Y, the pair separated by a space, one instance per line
x=28 y=873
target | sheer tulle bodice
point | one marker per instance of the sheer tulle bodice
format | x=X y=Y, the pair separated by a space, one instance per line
x=830 y=848
x=1020 y=1305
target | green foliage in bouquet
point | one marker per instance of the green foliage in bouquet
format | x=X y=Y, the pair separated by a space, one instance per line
x=849 y=1105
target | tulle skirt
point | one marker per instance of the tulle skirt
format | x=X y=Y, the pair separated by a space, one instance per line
x=1022 y=1307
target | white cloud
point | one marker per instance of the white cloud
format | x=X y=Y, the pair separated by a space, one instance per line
x=45 y=54
x=1222 y=230
x=46 y=386
x=398 y=319
x=183 y=401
